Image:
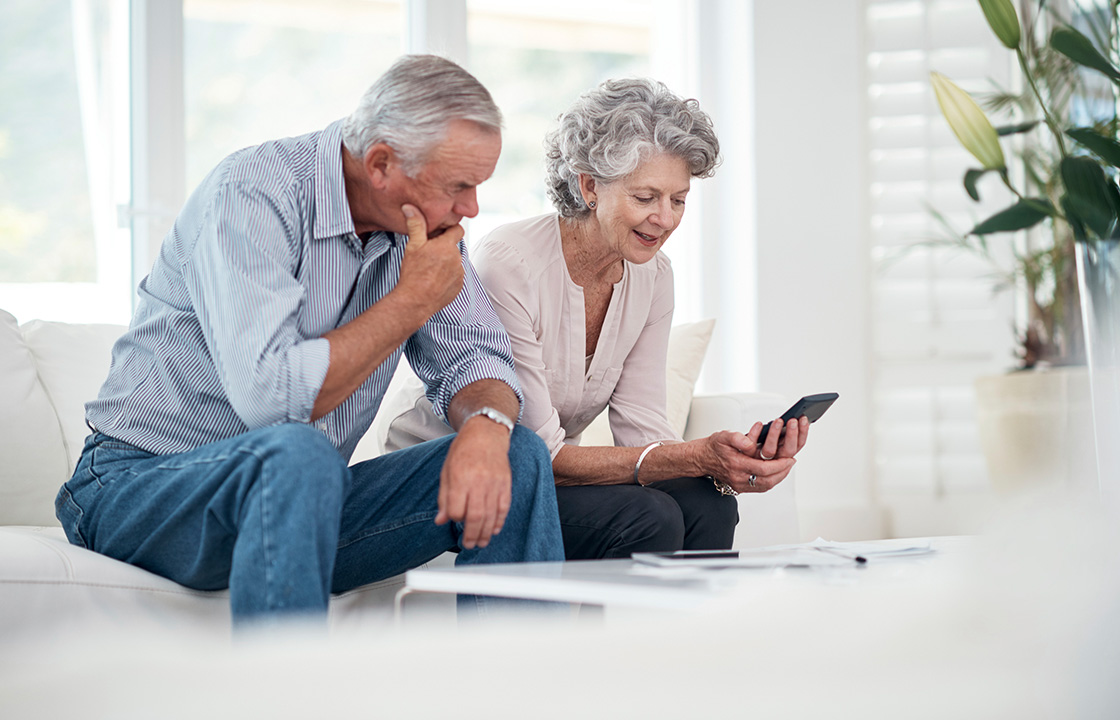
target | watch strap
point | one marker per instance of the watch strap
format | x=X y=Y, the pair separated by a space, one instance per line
x=496 y=415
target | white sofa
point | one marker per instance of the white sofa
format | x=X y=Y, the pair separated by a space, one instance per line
x=48 y=370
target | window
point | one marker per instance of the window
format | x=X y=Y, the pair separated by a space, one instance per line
x=64 y=160
x=95 y=162
x=251 y=76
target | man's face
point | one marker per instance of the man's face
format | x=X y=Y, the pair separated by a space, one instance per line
x=445 y=187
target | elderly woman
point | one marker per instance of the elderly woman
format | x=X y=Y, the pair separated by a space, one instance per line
x=587 y=298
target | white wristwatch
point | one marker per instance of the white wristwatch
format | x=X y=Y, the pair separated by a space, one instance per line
x=496 y=415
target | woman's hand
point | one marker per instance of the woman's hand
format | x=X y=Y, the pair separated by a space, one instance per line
x=797 y=432
x=749 y=466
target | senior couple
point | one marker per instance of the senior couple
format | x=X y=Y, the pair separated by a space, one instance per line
x=301 y=270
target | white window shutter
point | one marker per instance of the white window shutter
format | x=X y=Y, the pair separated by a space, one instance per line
x=937 y=323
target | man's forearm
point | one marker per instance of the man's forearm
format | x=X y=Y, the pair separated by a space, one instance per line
x=479 y=394
x=360 y=346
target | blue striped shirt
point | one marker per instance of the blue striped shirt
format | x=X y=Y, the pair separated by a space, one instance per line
x=262 y=262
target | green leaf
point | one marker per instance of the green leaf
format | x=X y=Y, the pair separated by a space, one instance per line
x=1078 y=48
x=1024 y=214
x=1088 y=199
x=1103 y=147
x=1004 y=130
x=971 y=177
x=1114 y=199
x=1080 y=234
x=1003 y=21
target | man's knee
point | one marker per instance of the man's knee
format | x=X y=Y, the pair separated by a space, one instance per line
x=529 y=458
x=300 y=454
x=532 y=484
x=292 y=440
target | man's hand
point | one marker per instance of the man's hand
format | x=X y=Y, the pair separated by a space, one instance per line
x=432 y=268
x=474 y=487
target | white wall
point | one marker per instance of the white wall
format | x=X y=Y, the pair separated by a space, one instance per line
x=812 y=259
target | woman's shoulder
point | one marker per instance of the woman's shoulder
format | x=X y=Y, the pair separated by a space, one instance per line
x=526 y=232
x=531 y=243
x=656 y=271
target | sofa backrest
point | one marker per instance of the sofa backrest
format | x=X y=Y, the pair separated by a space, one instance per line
x=48 y=371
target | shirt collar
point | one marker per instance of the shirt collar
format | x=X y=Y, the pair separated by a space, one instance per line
x=332 y=209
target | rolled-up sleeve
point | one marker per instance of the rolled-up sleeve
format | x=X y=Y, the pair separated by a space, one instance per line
x=462 y=343
x=240 y=275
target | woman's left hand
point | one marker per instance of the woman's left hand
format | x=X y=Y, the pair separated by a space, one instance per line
x=796 y=434
x=749 y=466
x=732 y=458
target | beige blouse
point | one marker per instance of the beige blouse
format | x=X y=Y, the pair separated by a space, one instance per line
x=522 y=268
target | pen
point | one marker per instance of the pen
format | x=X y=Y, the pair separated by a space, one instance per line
x=858 y=558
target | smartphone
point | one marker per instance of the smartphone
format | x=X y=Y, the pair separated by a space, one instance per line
x=811 y=406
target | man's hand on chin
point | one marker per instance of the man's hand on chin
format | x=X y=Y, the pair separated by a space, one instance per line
x=474 y=486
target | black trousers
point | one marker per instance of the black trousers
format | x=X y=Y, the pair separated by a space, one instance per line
x=612 y=521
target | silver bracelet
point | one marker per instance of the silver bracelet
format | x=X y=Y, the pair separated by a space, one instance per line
x=725 y=489
x=638 y=465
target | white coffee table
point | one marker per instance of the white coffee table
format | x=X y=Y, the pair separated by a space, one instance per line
x=624 y=583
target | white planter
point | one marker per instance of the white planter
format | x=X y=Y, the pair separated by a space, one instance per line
x=1098 y=281
x=1036 y=429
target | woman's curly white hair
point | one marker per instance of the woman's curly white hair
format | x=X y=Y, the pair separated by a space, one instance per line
x=609 y=131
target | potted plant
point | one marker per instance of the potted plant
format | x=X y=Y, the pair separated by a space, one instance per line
x=1066 y=199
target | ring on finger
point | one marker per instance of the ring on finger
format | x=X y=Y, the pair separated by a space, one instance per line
x=751 y=480
x=763 y=457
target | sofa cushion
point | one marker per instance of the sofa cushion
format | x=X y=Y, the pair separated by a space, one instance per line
x=48 y=585
x=73 y=362
x=688 y=344
x=35 y=461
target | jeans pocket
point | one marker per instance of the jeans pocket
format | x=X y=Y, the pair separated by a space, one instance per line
x=69 y=515
x=106 y=458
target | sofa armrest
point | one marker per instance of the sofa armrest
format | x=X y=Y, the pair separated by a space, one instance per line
x=765 y=518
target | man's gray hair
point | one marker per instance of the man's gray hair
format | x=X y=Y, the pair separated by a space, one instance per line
x=410 y=106
x=609 y=131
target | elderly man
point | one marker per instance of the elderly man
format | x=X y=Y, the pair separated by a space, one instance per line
x=263 y=341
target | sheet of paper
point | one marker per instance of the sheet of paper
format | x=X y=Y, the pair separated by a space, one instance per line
x=878 y=548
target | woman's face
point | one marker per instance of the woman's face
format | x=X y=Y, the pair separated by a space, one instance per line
x=638 y=213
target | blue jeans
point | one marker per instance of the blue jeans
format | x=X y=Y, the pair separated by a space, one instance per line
x=276 y=516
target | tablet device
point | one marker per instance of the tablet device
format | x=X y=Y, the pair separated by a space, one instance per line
x=760 y=558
